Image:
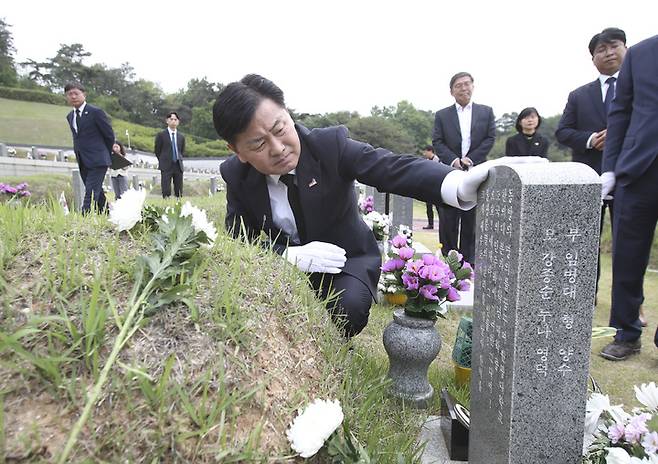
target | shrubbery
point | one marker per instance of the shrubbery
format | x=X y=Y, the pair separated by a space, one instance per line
x=14 y=93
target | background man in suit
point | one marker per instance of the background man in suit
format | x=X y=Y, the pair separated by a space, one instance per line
x=296 y=186
x=92 y=143
x=463 y=136
x=630 y=167
x=582 y=126
x=170 y=150
x=428 y=152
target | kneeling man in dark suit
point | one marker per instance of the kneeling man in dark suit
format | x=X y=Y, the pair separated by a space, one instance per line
x=296 y=186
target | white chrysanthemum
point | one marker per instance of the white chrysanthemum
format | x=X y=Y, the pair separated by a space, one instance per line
x=127 y=210
x=199 y=220
x=309 y=430
x=647 y=394
x=617 y=456
x=596 y=404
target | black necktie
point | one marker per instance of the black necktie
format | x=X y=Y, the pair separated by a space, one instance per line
x=610 y=94
x=77 y=120
x=295 y=204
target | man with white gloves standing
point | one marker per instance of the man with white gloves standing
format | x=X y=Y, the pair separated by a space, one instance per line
x=296 y=186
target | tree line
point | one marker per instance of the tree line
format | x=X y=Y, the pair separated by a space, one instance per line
x=401 y=128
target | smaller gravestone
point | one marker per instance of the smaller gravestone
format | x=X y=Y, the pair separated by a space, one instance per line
x=35 y=153
x=402 y=210
x=136 y=182
x=536 y=253
x=3 y=149
x=78 y=189
x=213 y=185
x=378 y=197
x=154 y=180
x=60 y=155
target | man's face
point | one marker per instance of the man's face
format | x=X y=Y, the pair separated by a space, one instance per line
x=608 y=56
x=462 y=90
x=429 y=154
x=172 y=122
x=75 y=97
x=270 y=142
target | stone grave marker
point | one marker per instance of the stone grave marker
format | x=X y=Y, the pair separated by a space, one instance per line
x=536 y=253
x=378 y=197
x=78 y=189
x=402 y=209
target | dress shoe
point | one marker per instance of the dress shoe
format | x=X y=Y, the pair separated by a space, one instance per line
x=618 y=351
x=428 y=227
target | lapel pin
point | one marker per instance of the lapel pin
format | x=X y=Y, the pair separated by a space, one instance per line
x=313 y=183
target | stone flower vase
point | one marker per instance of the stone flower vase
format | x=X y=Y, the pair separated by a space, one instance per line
x=412 y=344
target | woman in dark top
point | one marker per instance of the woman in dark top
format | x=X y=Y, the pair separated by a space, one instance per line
x=528 y=142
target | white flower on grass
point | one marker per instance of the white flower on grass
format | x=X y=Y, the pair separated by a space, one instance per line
x=650 y=443
x=309 y=430
x=647 y=394
x=617 y=456
x=199 y=220
x=596 y=404
x=127 y=210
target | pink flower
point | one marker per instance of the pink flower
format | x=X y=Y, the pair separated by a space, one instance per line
x=650 y=442
x=435 y=273
x=453 y=294
x=410 y=282
x=399 y=241
x=616 y=432
x=429 y=292
x=394 y=264
x=414 y=266
x=406 y=253
x=428 y=259
x=636 y=427
x=464 y=286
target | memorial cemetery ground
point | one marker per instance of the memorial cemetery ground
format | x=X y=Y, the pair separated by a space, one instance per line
x=218 y=380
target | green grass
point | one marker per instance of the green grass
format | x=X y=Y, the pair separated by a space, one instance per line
x=32 y=123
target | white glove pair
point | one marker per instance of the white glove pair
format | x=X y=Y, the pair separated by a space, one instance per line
x=467 y=190
x=317 y=257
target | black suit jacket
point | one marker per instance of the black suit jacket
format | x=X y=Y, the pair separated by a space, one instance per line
x=631 y=144
x=328 y=165
x=520 y=145
x=163 y=150
x=447 y=136
x=583 y=115
x=93 y=141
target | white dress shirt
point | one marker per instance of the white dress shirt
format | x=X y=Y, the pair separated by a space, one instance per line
x=465 y=115
x=82 y=111
x=604 y=91
x=282 y=214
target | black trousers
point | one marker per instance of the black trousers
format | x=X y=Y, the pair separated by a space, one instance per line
x=350 y=305
x=176 y=174
x=607 y=204
x=636 y=215
x=457 y=231
x=92 y=178
x=430 y=214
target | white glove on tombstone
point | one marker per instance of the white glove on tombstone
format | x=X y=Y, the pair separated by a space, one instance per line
x=317 y=257
x=467 y=190
x=607 y=185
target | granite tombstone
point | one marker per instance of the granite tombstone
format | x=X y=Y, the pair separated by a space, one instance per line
x=536 y=252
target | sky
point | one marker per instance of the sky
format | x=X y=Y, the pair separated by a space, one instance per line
x=343 y=55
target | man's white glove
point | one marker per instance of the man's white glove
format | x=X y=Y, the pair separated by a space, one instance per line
x=607 y=185
x=317 y=257
x=467 y=190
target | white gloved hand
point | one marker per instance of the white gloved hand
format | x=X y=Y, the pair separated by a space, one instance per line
x=317 y=257
x=607 y=185
x=467 y=190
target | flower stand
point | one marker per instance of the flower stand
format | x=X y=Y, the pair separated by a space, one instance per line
x=411 y=344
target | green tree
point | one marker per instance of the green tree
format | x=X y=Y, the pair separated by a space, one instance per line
x=143 y=100
x=325 y=120
x=8 y=75
x=382 y=132
x=417 y=123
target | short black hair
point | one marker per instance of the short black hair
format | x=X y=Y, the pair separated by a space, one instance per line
x=74 y=85
x=459 y=75
x=524 y=114
x=429 y=148
x=236 y=105
x=173 y=112
x=607 y=35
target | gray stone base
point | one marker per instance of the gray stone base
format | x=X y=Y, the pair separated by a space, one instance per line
x=435 y=451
